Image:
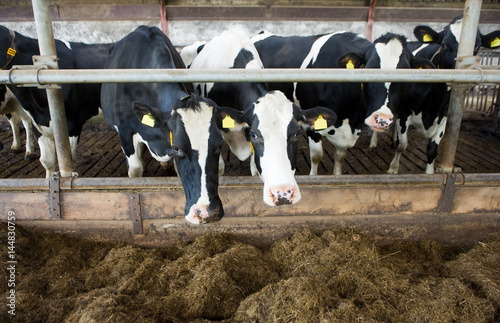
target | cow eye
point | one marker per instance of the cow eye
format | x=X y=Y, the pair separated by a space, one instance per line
x=178 y=151
x=298 y=133
x=253 y=135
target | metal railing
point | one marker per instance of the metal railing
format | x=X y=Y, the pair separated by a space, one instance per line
x=486 y=97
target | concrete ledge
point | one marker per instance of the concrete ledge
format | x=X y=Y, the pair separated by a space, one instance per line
x=453 y=208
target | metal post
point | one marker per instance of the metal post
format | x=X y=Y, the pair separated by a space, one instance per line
x=55 y=100
x=470 y=24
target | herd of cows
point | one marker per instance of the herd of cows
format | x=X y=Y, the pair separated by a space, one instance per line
x=261 y=121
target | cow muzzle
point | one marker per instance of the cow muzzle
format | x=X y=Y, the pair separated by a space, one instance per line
x=199 y=214
x=283 y=195
x=380 y=121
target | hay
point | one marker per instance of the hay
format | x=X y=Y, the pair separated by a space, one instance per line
x=336 y=276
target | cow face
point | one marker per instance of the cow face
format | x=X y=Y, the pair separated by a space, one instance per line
x=381 y=99
x=269 y=131
x=195 y=142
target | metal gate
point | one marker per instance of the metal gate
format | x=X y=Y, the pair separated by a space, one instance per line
x=486 y=97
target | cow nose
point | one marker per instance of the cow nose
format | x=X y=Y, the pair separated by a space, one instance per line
x=381 y=122
x=283 y=195
x=199 y=214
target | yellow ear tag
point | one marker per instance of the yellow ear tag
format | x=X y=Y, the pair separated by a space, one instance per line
x=320 y=123
x=171 y=139
x=227 y=122
x=427 y=38
x=148 y=120
x=495 y=43
x=349 y=65
x=11 y=52
x=251 y=146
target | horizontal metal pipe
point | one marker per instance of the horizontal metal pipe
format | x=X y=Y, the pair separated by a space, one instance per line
x=174 y=183
x=44 y=77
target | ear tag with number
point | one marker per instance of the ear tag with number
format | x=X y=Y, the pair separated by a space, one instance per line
x=349 y=65
x=148 y=120
x=320 y=123
x=495 y=43
x=251 y=146
x=427 y=38
x=227 y=122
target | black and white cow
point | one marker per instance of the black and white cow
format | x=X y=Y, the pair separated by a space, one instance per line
x=355 y=104
x=267 y=126
x=442 y=47
x=81 y=101
x=168 y=119
x=425 y=105
x=10 y=107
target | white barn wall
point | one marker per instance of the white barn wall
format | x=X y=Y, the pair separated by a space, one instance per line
x=185 y=32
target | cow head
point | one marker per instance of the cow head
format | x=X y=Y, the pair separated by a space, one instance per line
x=388 y=52
x=191 y=131
x=448 y=40
x=269 y=131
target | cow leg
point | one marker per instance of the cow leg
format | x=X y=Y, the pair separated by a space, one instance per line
x=221 y=165
x=47 y=155
x=30 y=149
x=373 y=141
x=134 y=158
x=340 y=153
x=402 y=144
x=135 y=166
x=316 y=154
x=432 y=146
x=16 y=137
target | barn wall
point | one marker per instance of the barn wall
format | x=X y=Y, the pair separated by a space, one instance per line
x=188 y=21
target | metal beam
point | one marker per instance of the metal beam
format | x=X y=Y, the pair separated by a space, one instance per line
x=32 y=77
x=470 y=24
x=54 y=95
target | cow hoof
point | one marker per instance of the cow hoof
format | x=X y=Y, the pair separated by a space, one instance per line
x=30 y=157
x=373 y=150
x=15 y=151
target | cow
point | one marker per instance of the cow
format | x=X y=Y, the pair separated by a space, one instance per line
x=442 y=47
x=81 y=101
x=10 y=107
x=355 y=104
x=168 y=118
x=267 y=126
x=425 y=105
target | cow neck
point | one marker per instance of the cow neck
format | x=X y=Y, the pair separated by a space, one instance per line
x=11 y=52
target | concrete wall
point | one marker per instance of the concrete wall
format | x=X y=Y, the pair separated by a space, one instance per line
x=185 y=32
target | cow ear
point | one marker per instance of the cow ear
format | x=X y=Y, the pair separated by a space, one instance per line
x=229 y=119
x=147 y=115
x=426 y=34
x=491 y=40
x=350 y=60
x=317 y=118
x=422 y=63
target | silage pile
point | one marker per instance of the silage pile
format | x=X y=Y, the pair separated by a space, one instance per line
x=336 y=276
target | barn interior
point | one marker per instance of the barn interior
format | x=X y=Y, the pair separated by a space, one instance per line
x=363 y=246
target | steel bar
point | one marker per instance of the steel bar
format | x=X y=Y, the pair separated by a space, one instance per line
x=470 y=24
x=31 y=76
x=55 y=100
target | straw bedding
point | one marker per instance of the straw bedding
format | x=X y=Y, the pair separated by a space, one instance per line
x=336 y=276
